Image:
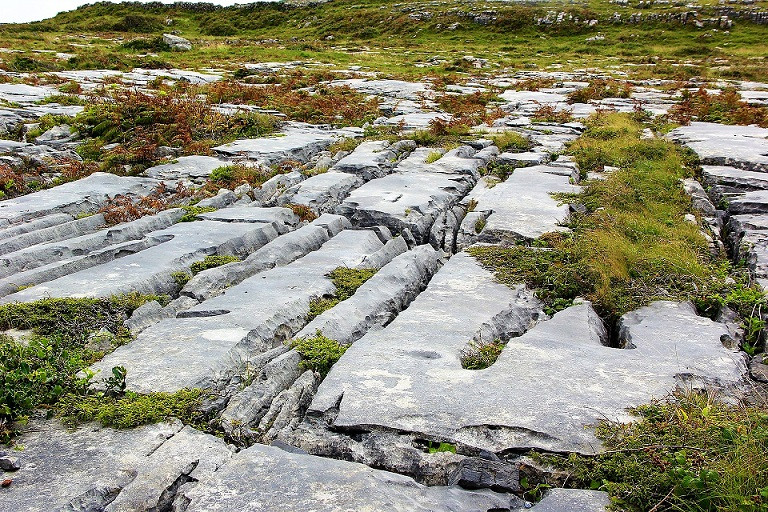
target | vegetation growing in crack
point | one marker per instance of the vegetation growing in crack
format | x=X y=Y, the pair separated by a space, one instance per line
x=499 y=170
x=512 y=141
x=192 y=213
x=212 y=261
x=67 y=335
x=689 y=452
x=347 y=281
x=318 y=353
x=140 y=123
x=129 y=409
x=631 y=247
x=727 y=107
x=601 y=89
x=479 y=355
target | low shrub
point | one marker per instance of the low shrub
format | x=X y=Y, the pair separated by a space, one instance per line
x=479 y=355
x=318 y=352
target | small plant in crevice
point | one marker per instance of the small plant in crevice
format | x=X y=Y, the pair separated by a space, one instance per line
x=304 y=212
x=319 y=353
x=433 y=157
x=347 y=281
x=181 y=278
x=440 y=447
x=498 y=169
x=479 y=355
x=212 y=261
x=192 y=212
x=114 y=385
x=480 y=225
x=511 y=141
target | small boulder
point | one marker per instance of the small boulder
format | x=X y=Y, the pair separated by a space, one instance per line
x=177 y=43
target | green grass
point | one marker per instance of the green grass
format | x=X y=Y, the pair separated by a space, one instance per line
x=212 y=262
x=39 y=372
x=347 y=281
x=687 y=453
x=132 y=409
x=632 y=246
x=371 y=33
x=479 y=355
x=511 y=141
x=318 y=352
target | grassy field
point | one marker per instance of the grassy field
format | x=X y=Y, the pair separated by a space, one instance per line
x=408 y=40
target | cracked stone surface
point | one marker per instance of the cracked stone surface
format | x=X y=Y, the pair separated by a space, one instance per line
x=745 y=147
x=298 y=141
x=183 y=244
x=400 y=384
x=249 y=318
x=81 y=196
x=299 y=482
x=419 y=352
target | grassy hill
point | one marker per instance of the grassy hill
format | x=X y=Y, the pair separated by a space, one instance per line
x=666 y=40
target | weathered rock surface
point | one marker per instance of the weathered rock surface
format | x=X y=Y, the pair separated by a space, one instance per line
x=177 y=42
x=416 y=194
x=182 y=244
x=81 y=196
x=280 y=251
x=322 y=193
x=296 y=482
x=745 y=147
x=192 y=168
x=380 y=298
x=107 y=461
x=298 y=141
x=572 y=500
x=522 y=207
x=223 y=333
x=387 y=378
x=373 y=159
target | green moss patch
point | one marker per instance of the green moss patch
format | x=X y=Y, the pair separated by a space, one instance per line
x=347 y=281
x=318 y=352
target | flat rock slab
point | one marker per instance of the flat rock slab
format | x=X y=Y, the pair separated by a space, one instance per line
x=149 y=271
x=253 y=214
x=192 y=168
x=115 y=470
x=417 y=120
x=733 y=177
x=389 y=88
x=522 y=206
x=297 y=482
x=408 y=376
x=23 y=93
x=755 y=201
x=249 y=318
x=322 y=193
x=745 y=147
x=85 y=195
x=298 y=141
x=416 y=193
x=573 y=500
x=371 y=159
